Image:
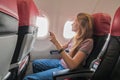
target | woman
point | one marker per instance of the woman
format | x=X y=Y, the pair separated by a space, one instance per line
x=79 y=48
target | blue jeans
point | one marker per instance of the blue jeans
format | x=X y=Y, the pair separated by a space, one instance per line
x=43 y=69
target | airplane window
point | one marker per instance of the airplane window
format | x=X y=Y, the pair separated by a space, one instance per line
x=42 y=23
x=68 y=33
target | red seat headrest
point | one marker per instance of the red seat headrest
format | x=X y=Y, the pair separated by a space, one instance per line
x=28 y=12
x=9 y=7
x=115 y=30
x=101 y=23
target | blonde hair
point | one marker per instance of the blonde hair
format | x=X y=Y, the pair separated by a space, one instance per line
x=85 y=31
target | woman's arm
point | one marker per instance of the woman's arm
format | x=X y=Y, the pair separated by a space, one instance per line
x=72 y=62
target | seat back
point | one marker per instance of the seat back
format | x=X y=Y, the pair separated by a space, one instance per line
x=28 y=13
x=116 y=71
x=8 y=35
x=115 y=32
x=112 y=52
x=27 y=24
x=101 y=31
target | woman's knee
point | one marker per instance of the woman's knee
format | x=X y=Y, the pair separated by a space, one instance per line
x=39 y=64
x=35 y=63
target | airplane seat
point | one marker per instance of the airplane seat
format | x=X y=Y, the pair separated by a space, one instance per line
x=111 y=57
x=8 y=35
x=27 y=12
x=116 y=34
x=101 y=34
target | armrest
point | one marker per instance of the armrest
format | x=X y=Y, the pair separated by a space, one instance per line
x=66 y=73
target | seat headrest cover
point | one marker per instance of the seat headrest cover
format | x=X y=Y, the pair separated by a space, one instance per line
x=9 y=7
x=101 y=23
x=28 y=12
x=115 y=30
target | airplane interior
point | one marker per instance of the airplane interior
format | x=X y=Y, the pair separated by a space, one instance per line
x=26 y=25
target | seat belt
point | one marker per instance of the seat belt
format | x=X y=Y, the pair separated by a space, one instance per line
x=95 y=63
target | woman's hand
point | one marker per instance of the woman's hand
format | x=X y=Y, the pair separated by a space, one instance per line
x=52 y=38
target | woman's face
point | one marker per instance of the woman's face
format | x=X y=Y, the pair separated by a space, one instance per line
x=75 y=25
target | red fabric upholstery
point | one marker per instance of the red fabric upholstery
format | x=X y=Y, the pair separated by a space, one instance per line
x=101 y=23
x=9 y=7
x=115 y=30
x=27 y=12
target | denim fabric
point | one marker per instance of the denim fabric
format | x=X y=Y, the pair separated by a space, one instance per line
x=43 y=69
